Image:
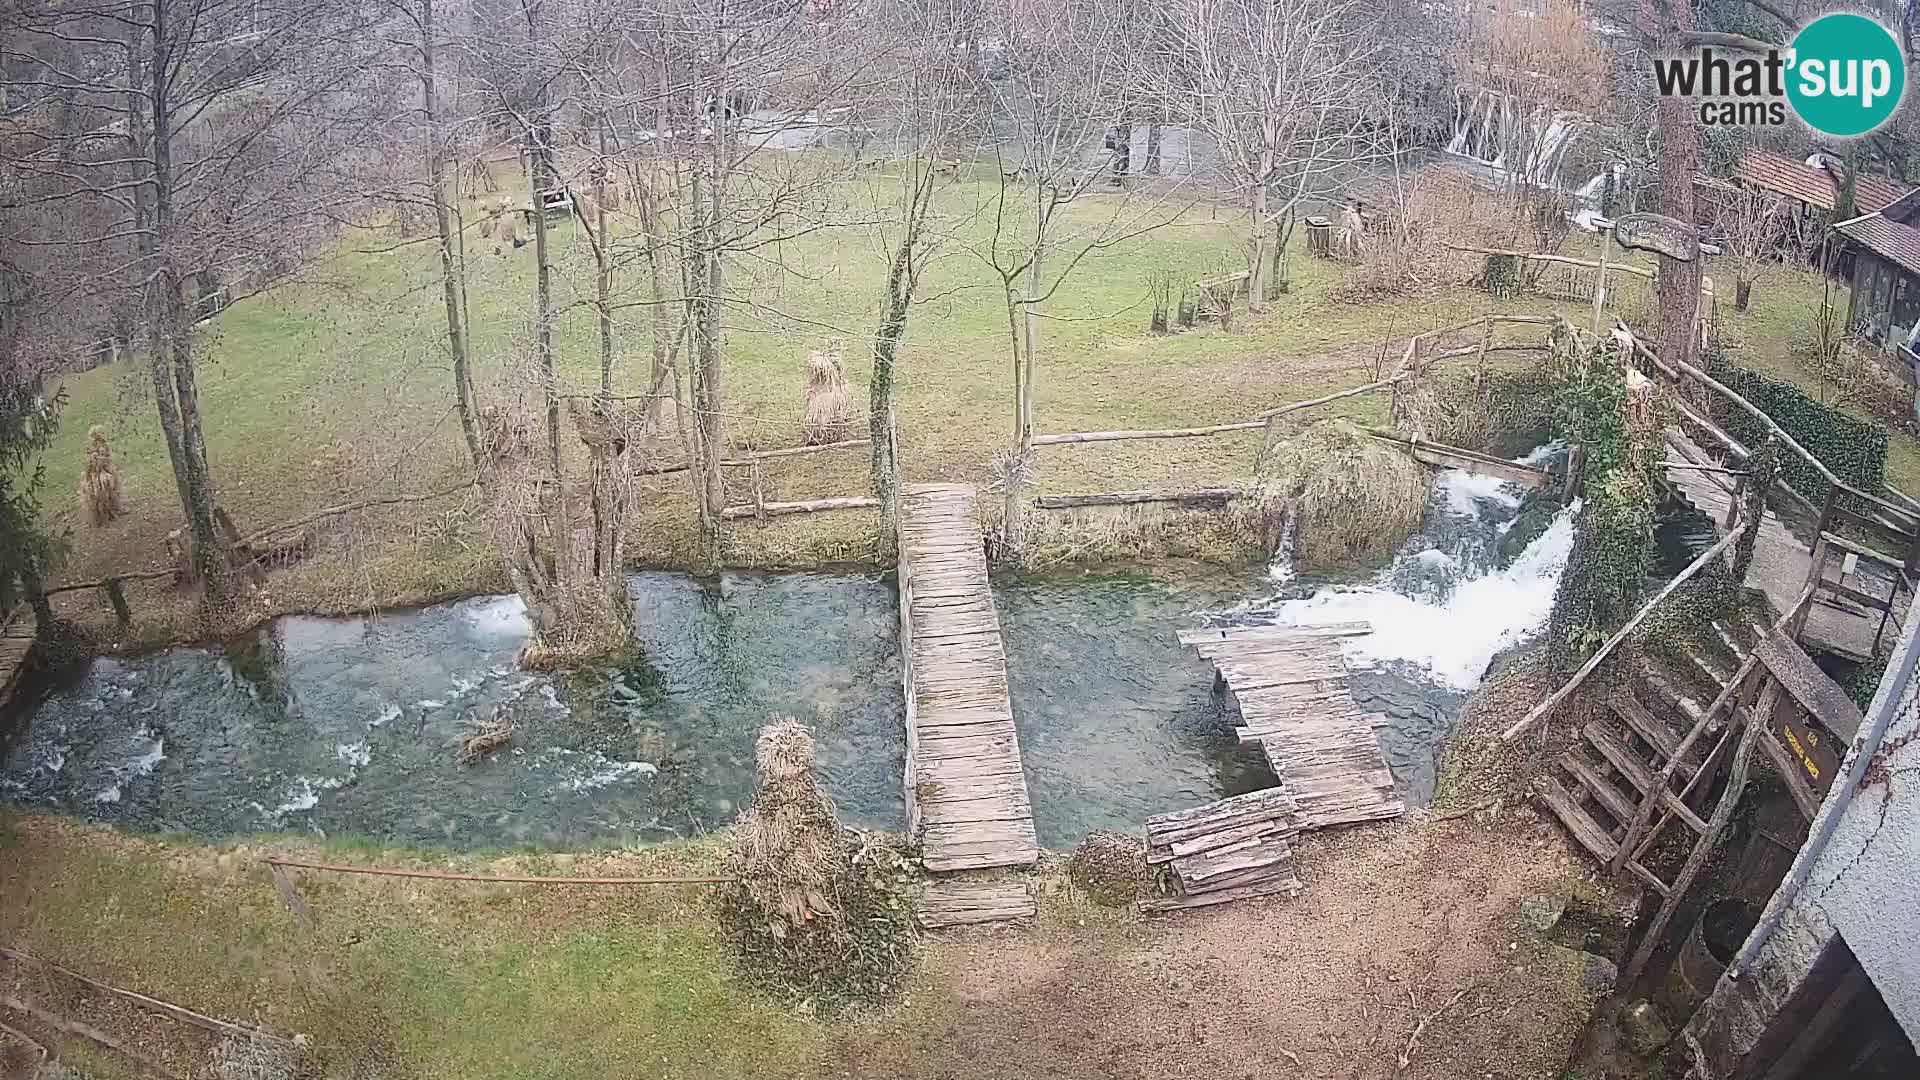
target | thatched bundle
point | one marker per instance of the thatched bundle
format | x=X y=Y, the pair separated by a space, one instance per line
x=1347 y=498
x=819 y=913
x=829 y=412
x=486 y=226
x=790 y=838
x=609 y=194
x=100 y=494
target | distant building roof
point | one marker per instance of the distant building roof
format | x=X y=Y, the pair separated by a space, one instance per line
x=1811 y=184
x=1897 y=243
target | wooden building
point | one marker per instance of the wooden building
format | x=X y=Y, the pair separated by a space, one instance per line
x=1880 y=258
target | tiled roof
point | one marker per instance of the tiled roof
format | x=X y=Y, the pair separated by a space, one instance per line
x=1872 y=193
x=1795 y=179
x=1812 y=184
x=1897 y=243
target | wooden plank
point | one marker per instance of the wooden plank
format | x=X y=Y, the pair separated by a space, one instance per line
x=1248 y=855
x=1273 y=633
x=1611 y=798
x=965 y=903
x=1159 y=906
x=1617 y=755
x=1810 y=687
x=1584 y=829
x=1658 y=733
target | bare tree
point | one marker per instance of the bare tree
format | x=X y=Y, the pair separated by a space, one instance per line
x=922 y=101
x=1284 y=89
x=1070 y=69
x=1757 y=228
x=232 y=125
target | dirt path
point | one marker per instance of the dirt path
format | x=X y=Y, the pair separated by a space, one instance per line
x=1397 y=924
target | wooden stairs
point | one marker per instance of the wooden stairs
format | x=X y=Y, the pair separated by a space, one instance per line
x=1640 y=765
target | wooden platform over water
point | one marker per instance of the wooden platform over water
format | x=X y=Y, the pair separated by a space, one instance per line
x=1290 y=683
x=966 y=793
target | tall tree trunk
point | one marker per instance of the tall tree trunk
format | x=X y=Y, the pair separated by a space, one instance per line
x=886 y=351
x=1662 y=23
x=1257 y=253
x=172 y=361
x=452 y=272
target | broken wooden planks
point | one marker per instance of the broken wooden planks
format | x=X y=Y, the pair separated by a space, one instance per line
x=1290 y=686
x=966 y=792
x=1225 y=850
x=951 y=902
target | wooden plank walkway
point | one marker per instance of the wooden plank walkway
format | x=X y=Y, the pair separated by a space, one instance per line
x=1290 y=684
x=1781 y=562
x=966 y=793
x=959 y=902
x=16 y=641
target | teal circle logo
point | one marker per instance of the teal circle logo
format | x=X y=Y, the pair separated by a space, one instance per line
x=1846 y=76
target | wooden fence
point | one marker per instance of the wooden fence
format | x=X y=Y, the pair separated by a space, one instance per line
x=1420 y=355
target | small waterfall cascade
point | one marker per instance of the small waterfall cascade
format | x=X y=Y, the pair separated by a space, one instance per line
x=1514 y=139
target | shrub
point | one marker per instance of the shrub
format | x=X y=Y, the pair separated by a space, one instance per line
x=1346 y=497
x=1854 y=449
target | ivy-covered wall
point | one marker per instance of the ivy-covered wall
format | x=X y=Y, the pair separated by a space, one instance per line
x=1854 y=449
x=1613 y=543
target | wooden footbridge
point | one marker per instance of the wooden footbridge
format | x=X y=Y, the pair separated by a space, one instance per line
x=966 y=792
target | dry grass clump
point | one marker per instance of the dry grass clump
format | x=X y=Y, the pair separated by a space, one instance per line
x=1457 y=408
x=829 y=412
x=1115 y=534
x=1346 y=498
x=821 y=914
x=1411 y=256
x=1111 y=868
x=100 y=494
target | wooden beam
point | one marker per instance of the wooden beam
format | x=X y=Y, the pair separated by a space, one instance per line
x=776 y=509
x=165 y=1008
x=1130 y=498
x=1541 y=256
x=1587 y=669
x=1452 y=457
x=1164 y=433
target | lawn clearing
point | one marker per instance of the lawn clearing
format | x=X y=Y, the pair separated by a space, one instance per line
x=336 y=387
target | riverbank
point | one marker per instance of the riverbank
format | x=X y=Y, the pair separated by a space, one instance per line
x=1399 y=923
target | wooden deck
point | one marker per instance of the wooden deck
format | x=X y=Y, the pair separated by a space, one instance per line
x=1781 y=561
x=966 y=794
x=1290 y=684
x=16 y=641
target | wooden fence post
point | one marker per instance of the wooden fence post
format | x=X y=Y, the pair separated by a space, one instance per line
x=117 y=596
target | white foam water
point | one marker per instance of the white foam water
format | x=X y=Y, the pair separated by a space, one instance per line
x=388 y=714
x=597 y=770
x=500 y=616
x=1454 y=638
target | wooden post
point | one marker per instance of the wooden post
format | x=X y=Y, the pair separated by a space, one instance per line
x=1266 y=444
x=1733 y=504
x=1486 y=340
x=1576 y=465
x=1600 y=282
x=1827 y=508
x=117 y=596
x=759 y=490
x=1704 y=846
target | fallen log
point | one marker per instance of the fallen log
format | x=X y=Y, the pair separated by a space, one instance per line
x=776 y=509
x=1199 y=496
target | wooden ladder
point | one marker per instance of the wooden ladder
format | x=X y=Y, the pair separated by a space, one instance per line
x=1648 y=764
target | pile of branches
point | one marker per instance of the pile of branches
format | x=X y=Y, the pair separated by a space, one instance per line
x=821 y=914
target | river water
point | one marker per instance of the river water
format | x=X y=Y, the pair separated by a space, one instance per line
x=348 y=726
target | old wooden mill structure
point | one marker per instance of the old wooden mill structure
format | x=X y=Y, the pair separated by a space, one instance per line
x=1651 y=757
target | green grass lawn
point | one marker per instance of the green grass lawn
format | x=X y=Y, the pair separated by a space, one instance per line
x=336 y=387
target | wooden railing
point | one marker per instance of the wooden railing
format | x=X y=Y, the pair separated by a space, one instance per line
x=1417 y=358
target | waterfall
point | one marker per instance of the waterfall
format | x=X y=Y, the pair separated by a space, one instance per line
x=1490 y=126
x=1445 y=607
